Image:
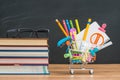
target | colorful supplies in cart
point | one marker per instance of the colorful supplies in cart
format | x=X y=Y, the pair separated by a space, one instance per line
x=82 y=46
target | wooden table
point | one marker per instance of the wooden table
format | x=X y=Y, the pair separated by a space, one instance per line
x=61 y=72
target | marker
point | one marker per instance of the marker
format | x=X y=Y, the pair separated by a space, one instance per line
x=73 y=33
x=73 y=36
x=65 y=26
x=68 y=25
x=71 y=23
x=86 y=30
x=77 y=25
x=61 y=27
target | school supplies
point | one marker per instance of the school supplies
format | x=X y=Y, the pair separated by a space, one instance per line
x=84 y=45
x=86 y=29
x=103 y=28
x=61 y=27
x=68 y=24
x=77 y=25
x=62 y=41
x=73 y=36
x=93 y=28
x=71 y=24
x=96 y=49
x=97 y=37
x=65 y=26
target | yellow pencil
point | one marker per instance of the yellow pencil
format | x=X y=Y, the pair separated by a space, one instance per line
x=77 y=25
x=86 y=30
x=61 y=27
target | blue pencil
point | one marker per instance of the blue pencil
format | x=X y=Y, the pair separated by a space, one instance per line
x=68 y=24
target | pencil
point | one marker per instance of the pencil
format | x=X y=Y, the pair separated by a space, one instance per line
x=77 y=25
x=65 y=26
x=86 y=30
x=61 y=27
x=71 y=23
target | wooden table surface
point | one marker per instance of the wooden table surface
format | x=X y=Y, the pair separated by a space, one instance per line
x=61 y=72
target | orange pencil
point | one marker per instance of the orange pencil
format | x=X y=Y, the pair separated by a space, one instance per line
x=61 y=27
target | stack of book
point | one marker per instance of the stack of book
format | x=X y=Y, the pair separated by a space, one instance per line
x=24 y=56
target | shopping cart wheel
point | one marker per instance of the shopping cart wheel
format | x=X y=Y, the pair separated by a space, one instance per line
x=71 y=71
x=91 y=71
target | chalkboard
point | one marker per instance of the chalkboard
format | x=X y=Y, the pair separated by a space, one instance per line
x=37 y=14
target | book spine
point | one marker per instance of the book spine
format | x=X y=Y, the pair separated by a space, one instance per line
x=24 y=61
x=24 y=52
x=24 y=70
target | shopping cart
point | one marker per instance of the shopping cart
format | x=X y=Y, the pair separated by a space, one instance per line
x=78 y=57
